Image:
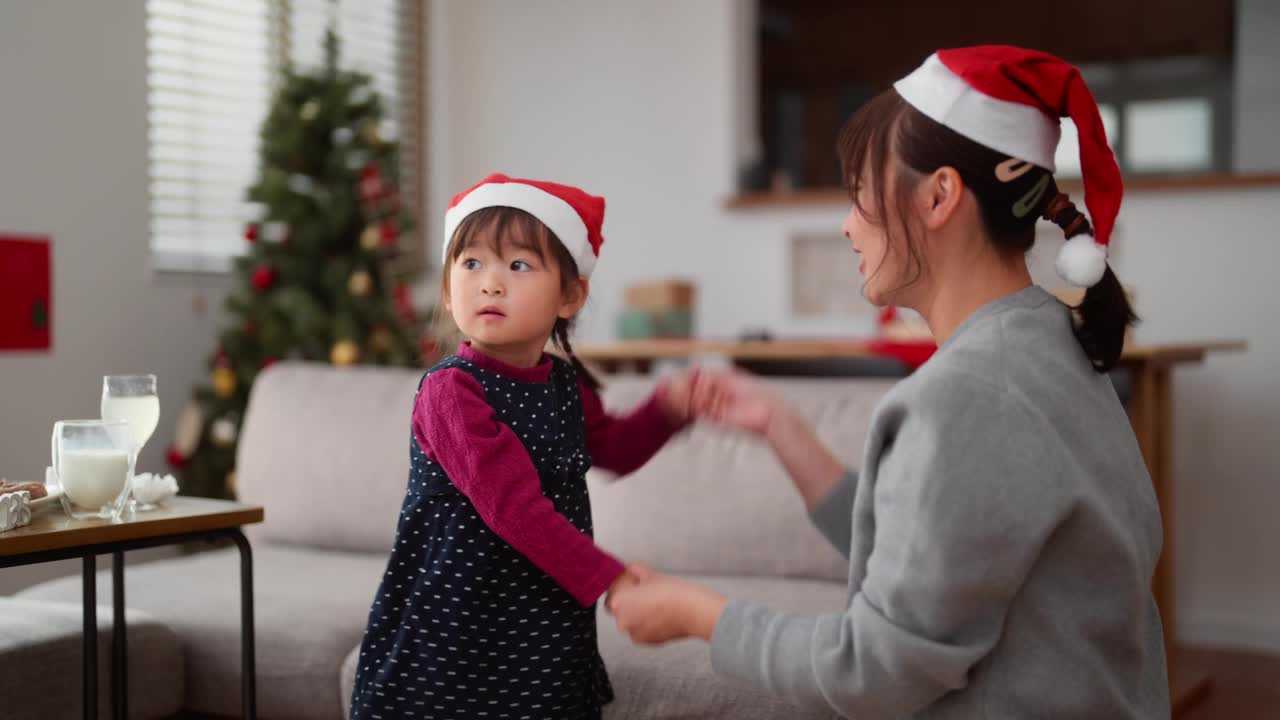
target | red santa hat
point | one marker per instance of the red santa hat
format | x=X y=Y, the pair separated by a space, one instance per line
x=573 y=215
x=1010 y=100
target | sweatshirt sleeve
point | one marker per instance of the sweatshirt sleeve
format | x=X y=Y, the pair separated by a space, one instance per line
x=623 y=444
x=834 y=515
x=488 y=464
x=964 y=500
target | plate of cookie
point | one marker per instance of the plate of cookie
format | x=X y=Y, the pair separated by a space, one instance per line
x=39 y=494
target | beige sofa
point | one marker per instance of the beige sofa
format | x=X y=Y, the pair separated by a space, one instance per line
x=326 y=452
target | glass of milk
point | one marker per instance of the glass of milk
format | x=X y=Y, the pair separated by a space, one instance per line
x=91 y=460
x=132 y=398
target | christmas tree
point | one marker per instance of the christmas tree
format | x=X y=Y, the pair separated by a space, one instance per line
x=316 y=282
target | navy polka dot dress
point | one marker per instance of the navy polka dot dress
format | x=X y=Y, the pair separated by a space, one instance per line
x=463 y=625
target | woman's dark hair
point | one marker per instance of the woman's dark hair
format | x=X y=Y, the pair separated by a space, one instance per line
x=1011 y=194
x=506 y=228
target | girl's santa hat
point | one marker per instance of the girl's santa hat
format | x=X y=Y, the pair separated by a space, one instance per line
x=575 y=216
x=1010 y=100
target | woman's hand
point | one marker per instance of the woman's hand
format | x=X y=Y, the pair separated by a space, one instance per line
x=734 y=399
x=660 y=608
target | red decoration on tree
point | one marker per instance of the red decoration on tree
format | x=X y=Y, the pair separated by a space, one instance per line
x=404 y=304
x=267 y=362
x=428 y=348
x=251 y=232
x=371 y=185
x=175 y=459
x=389 y=234
x=221 y=359
x=263 y=278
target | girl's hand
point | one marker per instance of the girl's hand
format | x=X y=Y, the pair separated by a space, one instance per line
x=734 y=399
x=661 y=608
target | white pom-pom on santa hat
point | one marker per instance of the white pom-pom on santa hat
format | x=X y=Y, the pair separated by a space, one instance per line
x=1082 y=261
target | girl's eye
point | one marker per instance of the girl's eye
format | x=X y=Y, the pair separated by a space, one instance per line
x=470 y=264
x=521 y=266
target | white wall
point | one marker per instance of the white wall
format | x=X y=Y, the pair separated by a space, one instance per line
x=639 y=102
x=73 y=159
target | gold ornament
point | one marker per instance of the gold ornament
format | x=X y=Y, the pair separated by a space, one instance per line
x=361 y=283
x=372 y=135
x=224 y=382
x=344 y=353
x=371 y=238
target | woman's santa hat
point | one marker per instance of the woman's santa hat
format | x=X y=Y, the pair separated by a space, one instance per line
x=576 y=217
x=1010 y=100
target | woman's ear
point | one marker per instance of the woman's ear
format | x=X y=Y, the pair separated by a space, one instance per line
x=940 y=196
x=573 y=298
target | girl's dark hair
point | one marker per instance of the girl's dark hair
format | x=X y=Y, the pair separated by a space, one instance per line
x=1011 y=194
x=503 y=228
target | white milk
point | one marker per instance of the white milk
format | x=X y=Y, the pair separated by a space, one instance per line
x=143 y=414
x=93 y=478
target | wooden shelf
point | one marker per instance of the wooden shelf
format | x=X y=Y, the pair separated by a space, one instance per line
x=829 y=197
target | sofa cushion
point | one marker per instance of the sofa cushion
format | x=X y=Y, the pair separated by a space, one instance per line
x=41 y=654
x=676 y=680
x=718 y=502
x=347 y=679
x=310 y=608
x=326 y=451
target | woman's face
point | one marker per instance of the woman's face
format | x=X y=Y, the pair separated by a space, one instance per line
x=885 y=263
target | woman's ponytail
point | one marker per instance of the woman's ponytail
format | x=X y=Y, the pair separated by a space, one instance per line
x=1104 y=315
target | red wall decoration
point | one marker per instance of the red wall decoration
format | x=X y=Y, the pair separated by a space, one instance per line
x=26 y=293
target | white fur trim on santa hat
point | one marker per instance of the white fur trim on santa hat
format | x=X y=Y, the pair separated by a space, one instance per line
x=558 y=215
x=1082 y=261
x=1015 y=129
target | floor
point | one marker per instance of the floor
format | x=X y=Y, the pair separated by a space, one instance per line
x=1246 y=686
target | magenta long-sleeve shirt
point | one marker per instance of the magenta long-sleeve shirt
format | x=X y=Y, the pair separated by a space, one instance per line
x=485 y=460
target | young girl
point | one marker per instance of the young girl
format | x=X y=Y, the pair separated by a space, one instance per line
x=1003 y=531
x=487 y=608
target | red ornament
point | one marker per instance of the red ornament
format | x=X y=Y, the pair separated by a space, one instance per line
x=222 y=359
x=268 y=362
x=175 y=459
x=389 y=234
x=371 y=184
x=428 y=348
x=263 y=278
x=251 y=232
x=403 y=303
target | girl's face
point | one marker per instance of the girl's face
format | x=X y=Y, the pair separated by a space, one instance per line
x=506 y=296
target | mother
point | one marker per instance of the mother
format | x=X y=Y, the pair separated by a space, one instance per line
x=1003 y=531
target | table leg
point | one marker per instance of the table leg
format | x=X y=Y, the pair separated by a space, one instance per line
x=248 y=688
x=1147 y=410
x=89 y=680
x=119 y=640
x=1151 y=413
